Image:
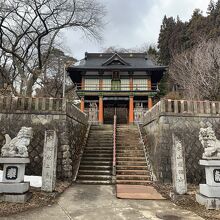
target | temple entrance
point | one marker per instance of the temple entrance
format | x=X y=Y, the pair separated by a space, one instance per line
x=115 y=106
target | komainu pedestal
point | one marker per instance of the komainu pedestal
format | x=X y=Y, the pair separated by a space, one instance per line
x=209 y=193
x=13 y=188
x=14 y=159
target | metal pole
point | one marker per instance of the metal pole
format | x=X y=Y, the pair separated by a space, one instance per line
x=64 y=80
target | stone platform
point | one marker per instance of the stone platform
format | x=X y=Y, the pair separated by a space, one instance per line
x=209 y=203
x=13 y=188
x=209 y=193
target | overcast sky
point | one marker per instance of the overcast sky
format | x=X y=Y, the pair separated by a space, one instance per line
x=132 y=23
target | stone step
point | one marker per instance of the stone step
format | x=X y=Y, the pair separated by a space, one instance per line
x=128 y=148
x=95 y=172
x=106 y=129
x=99 y=144
x=99 y=140
x=129 y=154
x=96 y=167
x=101 y=133
x=99 y=148
x=134 y=182
x=94 y=177
x=126 y=167
x=101 y=136
x=133 y=172
x=132 y=163
x=98 y=163
x=131 y=159
x=132 y=177
x=94 y=154
x=99 y=151
x=121 y=136
x=128 y=142
x=94 y=182
x=96 y=158
x=130 y=151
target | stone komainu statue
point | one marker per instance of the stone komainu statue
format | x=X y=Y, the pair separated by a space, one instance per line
x=210 y=143
x=17 y=147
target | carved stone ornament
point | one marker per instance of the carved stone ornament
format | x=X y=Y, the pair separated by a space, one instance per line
x=17 y=147
x=210 y=143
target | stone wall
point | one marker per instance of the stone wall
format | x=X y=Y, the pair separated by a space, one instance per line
x=46 y=114
x=184 y=119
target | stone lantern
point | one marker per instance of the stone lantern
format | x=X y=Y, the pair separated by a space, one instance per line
x=14 y=157
x=209 y=193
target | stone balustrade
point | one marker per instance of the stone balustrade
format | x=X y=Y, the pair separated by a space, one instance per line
x=44 y=114
x=182 y=118
x=32 y=105
x=182 y=108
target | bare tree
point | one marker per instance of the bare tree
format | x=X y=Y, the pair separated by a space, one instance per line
x=197 y=72
x=51 y=83
x=28 y=30
x=149 y=49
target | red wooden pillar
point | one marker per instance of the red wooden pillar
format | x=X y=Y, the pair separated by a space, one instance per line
x=131 y=83
x=100 y=83
x=101 y=118
x=149 y=84
x=150 y=102
x=131 y=109
x=82 y=104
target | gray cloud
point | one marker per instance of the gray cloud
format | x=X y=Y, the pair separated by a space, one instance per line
x=132 y=23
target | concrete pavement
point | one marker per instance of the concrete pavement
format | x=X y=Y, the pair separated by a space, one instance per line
x=98 y=202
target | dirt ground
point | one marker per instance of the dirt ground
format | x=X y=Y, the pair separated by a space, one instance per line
x=188 y=202
x=38 y=199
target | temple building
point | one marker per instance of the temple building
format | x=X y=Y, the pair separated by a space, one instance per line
x=121 y=83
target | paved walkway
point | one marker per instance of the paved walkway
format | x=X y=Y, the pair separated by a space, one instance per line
x=98 y=202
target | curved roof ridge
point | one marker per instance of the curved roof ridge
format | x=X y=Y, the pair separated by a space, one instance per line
x=112 y=58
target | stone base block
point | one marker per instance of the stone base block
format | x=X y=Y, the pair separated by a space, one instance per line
x=209 y=203
x=14 y=187
x=16 y=198
x=209 y=191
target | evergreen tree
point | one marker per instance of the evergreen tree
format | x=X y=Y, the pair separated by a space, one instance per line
x=176 y=36
x=166 y=31
x=211 y=7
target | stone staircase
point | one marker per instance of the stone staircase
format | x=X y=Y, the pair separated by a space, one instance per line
x=131 y=166
x=96 y=163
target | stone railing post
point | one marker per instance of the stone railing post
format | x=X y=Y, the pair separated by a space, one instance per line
x=178 y=167
x=49 y=161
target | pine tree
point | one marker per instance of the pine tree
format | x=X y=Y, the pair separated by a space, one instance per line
x=211 y=7
x=166 y=32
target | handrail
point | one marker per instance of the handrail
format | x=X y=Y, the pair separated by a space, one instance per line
x=114 y=146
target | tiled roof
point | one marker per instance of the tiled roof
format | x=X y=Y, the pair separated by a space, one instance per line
x=126 y=60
